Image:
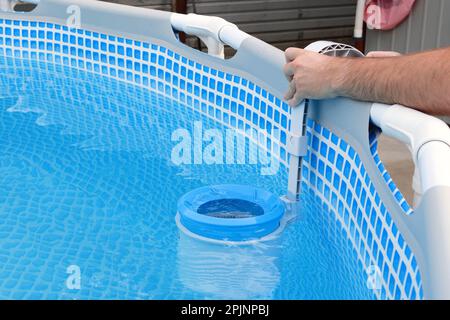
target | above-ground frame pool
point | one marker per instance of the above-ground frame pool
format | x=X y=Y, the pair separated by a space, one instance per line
x=107 y=120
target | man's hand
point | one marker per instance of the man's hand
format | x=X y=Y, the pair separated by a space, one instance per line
x=315 y=76
x=311 y=75
x=420 y=80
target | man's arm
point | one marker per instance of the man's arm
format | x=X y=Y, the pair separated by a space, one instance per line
x=420 y=81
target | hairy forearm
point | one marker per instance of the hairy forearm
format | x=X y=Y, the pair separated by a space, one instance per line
x=420 y=81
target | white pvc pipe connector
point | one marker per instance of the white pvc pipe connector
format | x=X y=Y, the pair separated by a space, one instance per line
x=214 y=31
x=232 y=36
x=198 y=25
x=428 y=138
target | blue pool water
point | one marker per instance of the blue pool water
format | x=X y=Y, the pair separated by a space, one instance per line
x=87 y=181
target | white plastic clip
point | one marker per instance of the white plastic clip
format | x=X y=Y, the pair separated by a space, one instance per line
x=297 y=145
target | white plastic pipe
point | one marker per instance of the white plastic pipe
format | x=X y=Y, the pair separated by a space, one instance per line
x=214 y=31
x=232 y=36
x=198 y=25
x=427 y=137
x=434 y=165
x=359 y=19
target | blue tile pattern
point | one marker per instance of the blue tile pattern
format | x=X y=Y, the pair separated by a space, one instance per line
x=386 y=176
x=87 y=178
x=332 y=168
x=335 y=171
x=229 y=99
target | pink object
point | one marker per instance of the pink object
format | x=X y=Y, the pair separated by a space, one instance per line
x=386 y=14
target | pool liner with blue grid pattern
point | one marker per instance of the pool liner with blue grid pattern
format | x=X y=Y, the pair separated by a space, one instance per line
x=332 y=167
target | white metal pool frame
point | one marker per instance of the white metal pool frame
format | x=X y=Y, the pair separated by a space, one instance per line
x=427 y=230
